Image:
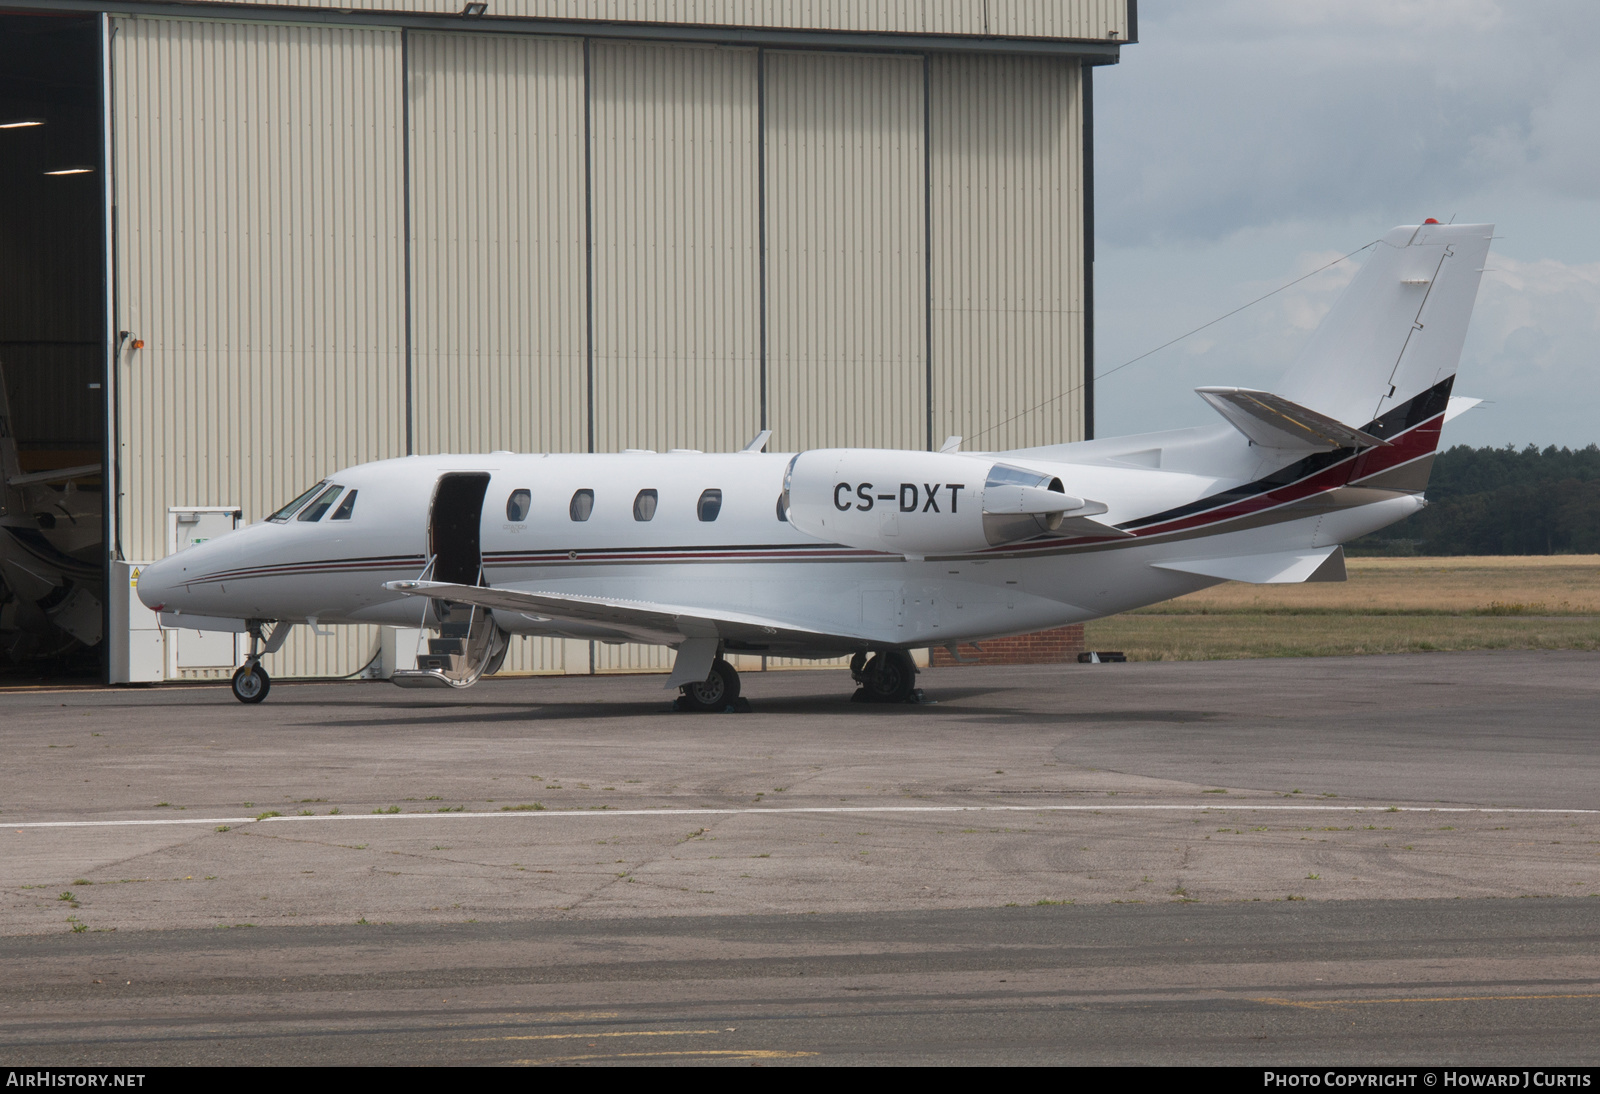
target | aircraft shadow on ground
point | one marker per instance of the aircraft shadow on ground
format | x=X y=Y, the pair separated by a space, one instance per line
x=946 y=705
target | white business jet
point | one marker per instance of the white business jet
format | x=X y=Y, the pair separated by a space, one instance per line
x=863 y=552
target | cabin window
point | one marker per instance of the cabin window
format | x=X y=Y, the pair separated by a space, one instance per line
x=313 y=512
x=517 y=505
x=644 y=505
x=710 y=505
x=289 y=510
x=346 y=507
x=783 y=510
x=582 y=505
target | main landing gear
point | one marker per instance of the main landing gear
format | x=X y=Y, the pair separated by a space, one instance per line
x=716 y=693
x=889 y=676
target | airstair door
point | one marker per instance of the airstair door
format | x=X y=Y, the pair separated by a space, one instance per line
x=453 y=528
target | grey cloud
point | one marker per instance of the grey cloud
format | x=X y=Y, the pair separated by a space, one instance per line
x=1249 y=114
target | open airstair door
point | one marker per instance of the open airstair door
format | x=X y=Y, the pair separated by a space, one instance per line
x=469 y=642
x=454 y=542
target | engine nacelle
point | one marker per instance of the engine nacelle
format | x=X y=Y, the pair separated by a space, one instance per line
x=919 y=504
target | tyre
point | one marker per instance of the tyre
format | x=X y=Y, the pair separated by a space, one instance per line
x=251 y=684
x=890 y=677
x=715 y=692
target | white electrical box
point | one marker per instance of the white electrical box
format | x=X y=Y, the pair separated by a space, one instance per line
x=137 y=650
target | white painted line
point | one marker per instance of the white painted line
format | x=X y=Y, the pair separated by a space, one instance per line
x=511 y=814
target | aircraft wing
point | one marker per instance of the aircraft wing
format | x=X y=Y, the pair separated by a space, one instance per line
x=631 y=620
x=1277 y=568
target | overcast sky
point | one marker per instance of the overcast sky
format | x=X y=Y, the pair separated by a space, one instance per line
x=1243 y=143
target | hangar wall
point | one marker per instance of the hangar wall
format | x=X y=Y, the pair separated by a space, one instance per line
x=259 y=258
x=610 y=245
x=845 y=162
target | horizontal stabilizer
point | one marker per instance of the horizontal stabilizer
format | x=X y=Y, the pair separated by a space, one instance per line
x=1274 y=422
x=628 y=620
x=1458 y=405
x=1282 y=568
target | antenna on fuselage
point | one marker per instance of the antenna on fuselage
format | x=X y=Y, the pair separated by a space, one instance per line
x=759 y=444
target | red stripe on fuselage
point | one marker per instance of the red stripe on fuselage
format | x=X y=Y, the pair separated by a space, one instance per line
x=1414 y=443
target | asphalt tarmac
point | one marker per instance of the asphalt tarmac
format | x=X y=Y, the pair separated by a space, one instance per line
x=1386 y=859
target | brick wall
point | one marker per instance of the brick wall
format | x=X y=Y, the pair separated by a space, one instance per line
x=1041 y=648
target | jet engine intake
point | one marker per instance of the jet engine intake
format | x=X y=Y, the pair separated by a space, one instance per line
x=919 y=504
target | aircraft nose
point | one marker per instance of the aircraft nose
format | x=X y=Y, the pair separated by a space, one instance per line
x=159 y=583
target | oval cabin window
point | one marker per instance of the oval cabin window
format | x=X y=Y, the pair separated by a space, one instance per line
x=517 y=505
x=710 y=505
x=582 y=505
x=644 y=506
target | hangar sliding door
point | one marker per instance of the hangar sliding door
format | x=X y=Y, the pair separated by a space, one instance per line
x=498 y=296
x=1006 y=194
x=259 y=259
x=846 y=262
x=497 y=242
x=676 y=228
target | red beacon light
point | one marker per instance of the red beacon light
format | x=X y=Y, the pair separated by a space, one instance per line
x=1431 y=220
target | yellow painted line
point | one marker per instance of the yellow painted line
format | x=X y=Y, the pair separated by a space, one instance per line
x=733 y=1053
x=595 y=1036
x=1318 y=1004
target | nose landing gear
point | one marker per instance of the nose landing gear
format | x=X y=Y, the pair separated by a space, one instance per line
x=250 y=681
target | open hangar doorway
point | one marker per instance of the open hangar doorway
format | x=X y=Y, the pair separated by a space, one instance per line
x=52 y=349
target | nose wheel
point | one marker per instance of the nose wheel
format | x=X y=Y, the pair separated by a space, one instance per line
x=251 y=683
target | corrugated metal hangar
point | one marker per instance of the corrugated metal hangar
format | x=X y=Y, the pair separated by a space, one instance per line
x=246 y=245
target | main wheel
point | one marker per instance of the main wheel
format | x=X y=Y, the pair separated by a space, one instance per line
x=251 y=684
x=890 y=677
x=715 y=692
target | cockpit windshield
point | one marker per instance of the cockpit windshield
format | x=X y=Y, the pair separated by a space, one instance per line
x=289 y=510
x=324 y=502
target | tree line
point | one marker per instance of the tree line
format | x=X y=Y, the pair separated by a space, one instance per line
x=1501 y=501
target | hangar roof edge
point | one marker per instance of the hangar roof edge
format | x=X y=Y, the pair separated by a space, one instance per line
x=1061 y=29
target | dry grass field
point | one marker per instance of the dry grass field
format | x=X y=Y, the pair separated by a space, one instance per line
x=1389 y=605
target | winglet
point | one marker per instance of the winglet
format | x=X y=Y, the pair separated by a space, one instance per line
x=759 y=444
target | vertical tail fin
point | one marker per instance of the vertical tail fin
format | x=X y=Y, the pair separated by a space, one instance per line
x=1392 y=342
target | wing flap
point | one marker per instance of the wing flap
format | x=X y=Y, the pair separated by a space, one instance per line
x=1280 y=568
x=627 y=620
